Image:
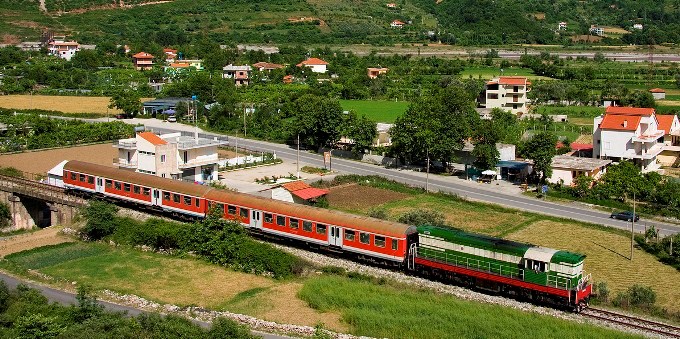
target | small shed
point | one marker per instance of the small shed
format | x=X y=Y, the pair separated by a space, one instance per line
x=298 y=192
x=55 y=176
x=658 y=93
x=566 y=168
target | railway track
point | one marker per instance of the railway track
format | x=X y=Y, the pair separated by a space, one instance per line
x=665 y=330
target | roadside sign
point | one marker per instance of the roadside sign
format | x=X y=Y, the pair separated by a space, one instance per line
x=326 y=159
x=544 y=189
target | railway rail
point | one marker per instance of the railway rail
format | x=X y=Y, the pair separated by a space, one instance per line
x=642 y=324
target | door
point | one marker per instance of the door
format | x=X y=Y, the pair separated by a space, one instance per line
x=255 y=219
x=156 y=198
x=99 y=187
x=335 y=238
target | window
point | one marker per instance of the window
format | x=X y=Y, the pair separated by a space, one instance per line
x=109 y=183
x=379 y=241
x=349 y=235
x=395 y=244
x=74 y=176
x=176 y=198
x=136 y=189
x=126 y=187
x=163 y=175
x=293 y=223
x=244 y=212
x=231 y=210
x=82 y=177
x=198 y=202
x=147 y=191
x=268 y=218
x=163 y=159
x=90 y=180
x=365 y=238
x=320 y=228
x=117 y=185
x=166 y=195
x=281 y=220
x=307 y=226
x=187 y=201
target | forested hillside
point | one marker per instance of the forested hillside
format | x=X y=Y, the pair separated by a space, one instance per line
x=462 y=22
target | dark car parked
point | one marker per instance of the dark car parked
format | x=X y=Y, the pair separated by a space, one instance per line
x=625 y=215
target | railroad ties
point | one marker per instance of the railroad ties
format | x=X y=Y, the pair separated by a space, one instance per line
x=642 y=324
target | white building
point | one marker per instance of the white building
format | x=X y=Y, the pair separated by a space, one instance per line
x=562 y=26
x=315 y=64
x=596 y=30
x=170 y=156
x=240 y=74
x=507 y=93
x=628 y=133
x=638 y=26
x=658 y=93
x=63 y=49
x=566 y=168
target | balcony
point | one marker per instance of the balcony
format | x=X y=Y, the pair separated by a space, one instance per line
x=123 y=163
x=125 y=144
x=196 y=163
x=201 y=142
x=648 y=138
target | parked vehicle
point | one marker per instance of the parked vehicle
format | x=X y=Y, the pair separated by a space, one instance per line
x=172 y=118
x=625 y=215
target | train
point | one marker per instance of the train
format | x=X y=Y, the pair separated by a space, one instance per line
x=524 y=271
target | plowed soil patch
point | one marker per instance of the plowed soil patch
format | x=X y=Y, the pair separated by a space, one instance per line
x=22 y=242
x=361 y=198
x=42 y=161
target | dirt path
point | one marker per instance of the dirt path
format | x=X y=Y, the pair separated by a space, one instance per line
x=22 y=242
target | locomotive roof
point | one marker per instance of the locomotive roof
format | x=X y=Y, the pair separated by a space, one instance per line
x=567 y=257
x=476 y=240
x=336 y=218
x=137 y=178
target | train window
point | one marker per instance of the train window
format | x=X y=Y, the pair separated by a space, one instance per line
x=109 y=183
x=82 y=177
x=74 y=176
x=268 y=217
x=293 y=223
x=379 y=241
x=117 y=185
x=198 y=202
x=146 y=191
x=176 y=198
x=166 y=195
x=126 y=187
x=307 y=226
x=281 y=220
x=395 y=244
x=349 y=235
x=244 y=212
x=321 y=228
x=231 y=210
x=364 y=238
x=136 y=189
x=187 y=201
x=90 y=180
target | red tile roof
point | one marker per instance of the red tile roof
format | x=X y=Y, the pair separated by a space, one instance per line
x=312 y=61
x=303 y=190
x=267 y=65
x=617 y=122
x=397 y=22
x=513 y=81
x=665 y=122
x=581 y=147
x=618 y=110
x=152 y=138
x=657 y=90
x=170 y=50
x=179 y=65
x=143 y=55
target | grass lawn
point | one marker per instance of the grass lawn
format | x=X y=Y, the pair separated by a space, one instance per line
x=378 y=111
x=491 y=72
x=396 y=312
x=572 y=111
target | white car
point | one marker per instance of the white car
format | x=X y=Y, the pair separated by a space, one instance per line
x=172 y=118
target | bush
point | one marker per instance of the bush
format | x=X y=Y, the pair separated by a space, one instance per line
x=422 y=217
x=602 y=291
x=227 y=328
x=378 y=213
x=11 y=172
x=101 y=219
x=636 y=296
x=5 y=215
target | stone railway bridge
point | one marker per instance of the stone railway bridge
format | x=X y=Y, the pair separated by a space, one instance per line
x=33 y=203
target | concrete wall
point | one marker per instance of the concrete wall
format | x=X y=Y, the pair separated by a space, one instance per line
x=616 y=143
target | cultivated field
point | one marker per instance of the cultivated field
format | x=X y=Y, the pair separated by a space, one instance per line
x=22 y=242
x=43 y=161
x=65 y=104
x=355 y=197
x=378 y=111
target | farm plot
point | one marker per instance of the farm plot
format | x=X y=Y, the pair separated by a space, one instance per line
x=65 y=104
x=607 y=258
x=354 y=197
x=378 y=111
x=43 y=161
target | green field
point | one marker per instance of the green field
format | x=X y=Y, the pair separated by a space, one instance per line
x=354 y=304
x=572 y=111
x=378 y=111
x=491 y=72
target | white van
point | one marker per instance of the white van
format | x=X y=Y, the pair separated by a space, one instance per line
x=172 y=118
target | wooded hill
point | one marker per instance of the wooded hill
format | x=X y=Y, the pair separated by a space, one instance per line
x=463 y=22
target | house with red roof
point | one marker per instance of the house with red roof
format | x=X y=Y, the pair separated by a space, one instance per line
x=658 y=93
x=397 y=24
x=507 y=93
x=266 y=66
x=315 y=64
x=170 y=55
x=142 y=61
x=628 y=133
x=298 y=192
x=63 y=49
x=671 y=127
x=169 y=156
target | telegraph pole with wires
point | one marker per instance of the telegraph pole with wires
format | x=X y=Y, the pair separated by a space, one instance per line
x=632 y=229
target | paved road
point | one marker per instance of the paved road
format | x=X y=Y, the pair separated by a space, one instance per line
x=66 y=298
x=453 y=185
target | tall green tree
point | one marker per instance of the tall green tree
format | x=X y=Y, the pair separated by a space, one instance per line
x=126 y=100
x=541 y=149
x=316 y=119
x=360 y=129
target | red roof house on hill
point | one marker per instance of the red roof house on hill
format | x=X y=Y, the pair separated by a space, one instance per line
x=317 y=65
x=142 y=61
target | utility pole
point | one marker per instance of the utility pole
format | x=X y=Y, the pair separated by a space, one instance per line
x=427 y=172
x=298 y=156
x=236 y=146
x=245 y=132
x=632 y=229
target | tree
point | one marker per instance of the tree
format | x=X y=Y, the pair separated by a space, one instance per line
x=582 y=185
x=359 y=129
x=316 y=119
x=126 y=100
x=100 y=219
x=541 y=149
x=485 y=152
x=621 y=181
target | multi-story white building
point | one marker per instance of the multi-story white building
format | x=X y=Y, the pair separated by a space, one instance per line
x=628 y=133
x=63 y=49
x=507 y=93
x=169 y=156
